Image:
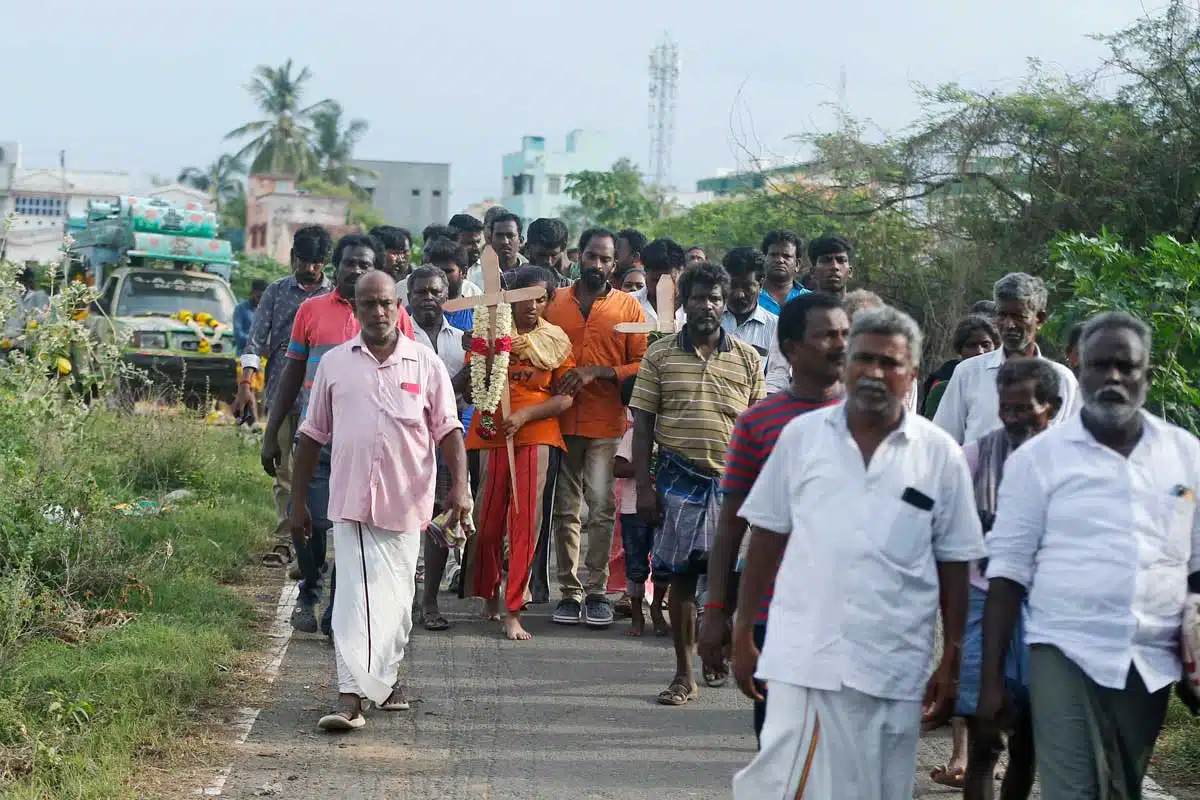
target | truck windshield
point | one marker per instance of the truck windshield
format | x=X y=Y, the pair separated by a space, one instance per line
x=163 y=294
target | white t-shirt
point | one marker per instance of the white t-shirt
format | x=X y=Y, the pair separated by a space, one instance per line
x=626 y=488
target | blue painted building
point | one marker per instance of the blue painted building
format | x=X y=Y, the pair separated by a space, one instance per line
x=535 y=178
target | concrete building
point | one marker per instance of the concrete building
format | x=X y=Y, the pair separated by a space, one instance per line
x=410 y=194
x=179 y=195
x=479 y=209
x=275 y=210
x=535 y=179
x=40 y=201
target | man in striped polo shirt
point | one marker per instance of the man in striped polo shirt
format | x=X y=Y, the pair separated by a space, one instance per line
x=321 y=324
x=812 y=337
x=689 y=391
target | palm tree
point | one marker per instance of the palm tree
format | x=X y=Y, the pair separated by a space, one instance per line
x=221 y=179
x=282 y=142
x=334 y=143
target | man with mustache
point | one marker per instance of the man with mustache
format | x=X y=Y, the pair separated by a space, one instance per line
x=502 y=230
x=398 y=243
x=660 y=257
x=391 y=403
x=1029 y=399
x=321 y=324
x=782 y=280
x=689 y=391
x=745 y=317
x=970 y=406
x=1096 y=527
x=428 y=289
x=812 y=335
x=850 y=640
x=588 y=312
x=269 y=336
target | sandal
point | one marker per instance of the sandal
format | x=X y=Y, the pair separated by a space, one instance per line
x=280 y=556
x=714 y=679
x=944 y=777
x=678 y=694
x=433 y=621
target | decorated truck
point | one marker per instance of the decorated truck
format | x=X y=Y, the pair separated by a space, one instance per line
x=163 y=275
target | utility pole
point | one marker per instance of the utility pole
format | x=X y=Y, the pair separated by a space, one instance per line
x=664 y=86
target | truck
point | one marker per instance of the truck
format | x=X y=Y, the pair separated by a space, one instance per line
x=163 y=274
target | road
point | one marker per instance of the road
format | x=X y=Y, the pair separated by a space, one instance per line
x=569 y=714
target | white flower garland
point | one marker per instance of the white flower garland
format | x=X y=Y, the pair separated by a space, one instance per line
x=487 y=389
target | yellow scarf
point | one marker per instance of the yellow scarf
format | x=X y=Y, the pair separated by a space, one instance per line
x=546 y=346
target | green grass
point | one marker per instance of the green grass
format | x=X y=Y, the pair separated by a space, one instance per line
x=1176 y=762
x=77 y=718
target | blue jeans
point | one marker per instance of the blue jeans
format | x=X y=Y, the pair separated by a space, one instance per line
x=311 y=553
x=637 y=540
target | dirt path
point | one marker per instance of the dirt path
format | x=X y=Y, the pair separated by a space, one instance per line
x=570 y=714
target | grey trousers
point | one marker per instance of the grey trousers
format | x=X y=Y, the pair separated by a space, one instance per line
x=1093 y=743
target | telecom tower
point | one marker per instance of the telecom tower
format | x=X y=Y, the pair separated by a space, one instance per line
x=664 y=85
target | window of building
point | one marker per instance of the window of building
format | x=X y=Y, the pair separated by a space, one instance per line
x=522 y=184
x=553 y=184
x=437 y=192
x=416 y=192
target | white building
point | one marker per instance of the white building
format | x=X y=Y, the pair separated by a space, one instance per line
x=40 y=201
x=535 y=179
x=411 y=194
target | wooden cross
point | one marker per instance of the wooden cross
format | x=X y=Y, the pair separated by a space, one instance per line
x=665 y=306
x=493 y=295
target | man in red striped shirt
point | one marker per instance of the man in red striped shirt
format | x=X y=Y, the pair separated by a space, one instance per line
x=812 y=332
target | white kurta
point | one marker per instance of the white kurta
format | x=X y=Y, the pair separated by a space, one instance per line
x=372 y=616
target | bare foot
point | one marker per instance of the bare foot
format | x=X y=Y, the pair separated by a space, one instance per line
x=514 y=630
x=491 y=609
x=638 y=626
x=661 y=628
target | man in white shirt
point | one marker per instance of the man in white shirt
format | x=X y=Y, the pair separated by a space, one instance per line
x=1096 y=520
x=970 y=406
x=745 y=317
x=428 y=290
x=881 y=503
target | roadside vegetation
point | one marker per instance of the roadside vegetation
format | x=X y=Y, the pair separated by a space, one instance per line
x=119 y=536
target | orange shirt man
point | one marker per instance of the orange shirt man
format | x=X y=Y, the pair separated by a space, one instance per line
x=592 y=428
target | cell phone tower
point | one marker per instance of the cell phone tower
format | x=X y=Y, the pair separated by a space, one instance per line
x=664 y=88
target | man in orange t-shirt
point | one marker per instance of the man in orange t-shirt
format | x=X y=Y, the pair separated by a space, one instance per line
x=588 y=312
x=541 y=356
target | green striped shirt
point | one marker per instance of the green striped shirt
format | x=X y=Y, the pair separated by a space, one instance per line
x=696 y=400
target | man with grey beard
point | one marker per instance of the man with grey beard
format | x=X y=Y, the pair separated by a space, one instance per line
x=850 y=642
x=1096 y=520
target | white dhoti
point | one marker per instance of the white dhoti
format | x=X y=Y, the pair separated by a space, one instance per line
x=821 y=745
x=372 y=613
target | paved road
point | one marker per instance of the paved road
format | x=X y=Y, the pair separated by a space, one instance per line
x=569 y=714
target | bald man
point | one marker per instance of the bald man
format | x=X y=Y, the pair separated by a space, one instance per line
x=392 y=405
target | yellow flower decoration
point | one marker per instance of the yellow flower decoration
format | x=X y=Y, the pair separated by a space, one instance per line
x=203 y=319
x=63 y=365
x=203 y=347
x=32 y=324
x=184 y=316
x=6 y=344
x=81 y=314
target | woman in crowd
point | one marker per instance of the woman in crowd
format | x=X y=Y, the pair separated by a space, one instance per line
x=975 y=335
x=541 y=355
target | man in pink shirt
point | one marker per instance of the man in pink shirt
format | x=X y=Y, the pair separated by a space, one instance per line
x=392 y=404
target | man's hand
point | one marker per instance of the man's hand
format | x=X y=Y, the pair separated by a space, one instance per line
x=575 y=380
x=647 y=505
x=458 y=503
x=941 y=692
x=513 y=423
x=301 y=520
x=745 y=662
x=714 y=626
x=271 y=454
x=244 y=399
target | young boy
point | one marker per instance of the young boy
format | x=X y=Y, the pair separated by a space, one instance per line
x=636 y=537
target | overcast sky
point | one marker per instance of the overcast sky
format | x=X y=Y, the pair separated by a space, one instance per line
x=150 y=87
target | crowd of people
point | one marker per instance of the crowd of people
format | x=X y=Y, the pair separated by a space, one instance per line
x=1036 y=508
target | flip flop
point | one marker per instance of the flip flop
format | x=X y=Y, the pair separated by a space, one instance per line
x=280 y=556
x=944 y=777
x=677 y=694
x=435 y=622
x=713 y=679
x=341 y=721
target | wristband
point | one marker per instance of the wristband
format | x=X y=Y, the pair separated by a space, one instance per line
x=714 y=605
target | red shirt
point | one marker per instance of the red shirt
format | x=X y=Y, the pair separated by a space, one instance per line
x=754 y=436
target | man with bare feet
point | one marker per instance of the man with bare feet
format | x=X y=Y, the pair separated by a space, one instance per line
x=393 y=407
